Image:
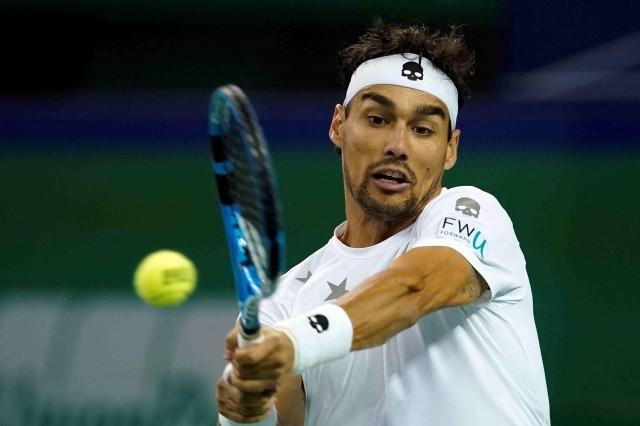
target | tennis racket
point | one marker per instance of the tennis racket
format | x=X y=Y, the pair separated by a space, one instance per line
x=248 y=202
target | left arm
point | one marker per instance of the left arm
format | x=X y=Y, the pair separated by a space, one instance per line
x=419 y=282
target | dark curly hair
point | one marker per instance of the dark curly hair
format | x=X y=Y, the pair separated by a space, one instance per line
x=446 y=50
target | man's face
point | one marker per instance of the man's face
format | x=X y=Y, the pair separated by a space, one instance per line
x=395 y=149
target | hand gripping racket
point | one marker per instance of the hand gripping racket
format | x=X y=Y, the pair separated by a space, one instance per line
x=248 y=201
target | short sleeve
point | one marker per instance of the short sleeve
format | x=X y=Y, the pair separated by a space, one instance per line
x=278 y=306
x=473 y=223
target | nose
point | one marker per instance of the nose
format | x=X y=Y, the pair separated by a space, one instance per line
x=397 y=144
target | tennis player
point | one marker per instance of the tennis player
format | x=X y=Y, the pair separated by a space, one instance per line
x=418 y=311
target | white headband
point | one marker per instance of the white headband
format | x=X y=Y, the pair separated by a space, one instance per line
x=407 y=70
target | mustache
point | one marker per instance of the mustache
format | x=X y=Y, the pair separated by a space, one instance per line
x=392 y=161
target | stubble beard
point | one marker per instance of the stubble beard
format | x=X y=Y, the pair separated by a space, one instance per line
x=386 y=211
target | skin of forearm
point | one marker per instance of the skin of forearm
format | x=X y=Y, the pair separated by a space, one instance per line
x=421 y=281
x=291 y=402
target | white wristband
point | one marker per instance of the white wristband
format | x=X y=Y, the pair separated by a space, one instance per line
x=320 y=335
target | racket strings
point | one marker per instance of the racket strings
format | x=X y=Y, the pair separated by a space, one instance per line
x=250 y=182
x=249 y=186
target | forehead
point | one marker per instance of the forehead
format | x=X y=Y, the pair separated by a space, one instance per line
x=404 y=98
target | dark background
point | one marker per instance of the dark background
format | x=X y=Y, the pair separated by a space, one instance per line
x=103 y=151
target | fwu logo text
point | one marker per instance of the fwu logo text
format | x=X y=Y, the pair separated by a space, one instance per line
x=455 y=228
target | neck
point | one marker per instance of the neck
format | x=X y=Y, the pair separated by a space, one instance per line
x=364 y=229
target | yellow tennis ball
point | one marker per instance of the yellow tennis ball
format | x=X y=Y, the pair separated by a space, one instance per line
x=165 y=278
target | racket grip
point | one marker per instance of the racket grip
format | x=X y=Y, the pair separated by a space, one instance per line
x=248 y=340
x=270 y=420
x=243 y=342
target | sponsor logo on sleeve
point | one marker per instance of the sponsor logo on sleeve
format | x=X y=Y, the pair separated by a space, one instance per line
x=468 y=207
x=464 y=231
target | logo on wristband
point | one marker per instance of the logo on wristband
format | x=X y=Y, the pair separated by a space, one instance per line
x=319 y=323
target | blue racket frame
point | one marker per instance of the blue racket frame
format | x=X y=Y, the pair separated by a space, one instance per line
x=247 y=283
x=250 y=288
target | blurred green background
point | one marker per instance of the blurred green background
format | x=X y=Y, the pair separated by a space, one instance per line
x=81 y=221
x=95 y=172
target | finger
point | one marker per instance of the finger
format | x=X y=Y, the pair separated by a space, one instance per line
x=264 y=386
x=252 y=385
x=269 y=360
x=264 y=353
x=233 y=409
x=252 y=356
x=227 y=392
x=231 y=343
x=270 y=369
x=243 y=414
x=239 y=417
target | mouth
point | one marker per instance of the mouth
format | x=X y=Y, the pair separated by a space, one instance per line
x=391 y=180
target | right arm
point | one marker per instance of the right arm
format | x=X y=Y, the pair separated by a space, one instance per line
x=241 y=406
x=290 y=402
x=244 y=398
x=249 y=400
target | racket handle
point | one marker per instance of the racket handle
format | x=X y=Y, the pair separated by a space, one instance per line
x=271 y=420
x=243 y=342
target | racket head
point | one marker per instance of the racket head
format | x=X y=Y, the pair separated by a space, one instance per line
x=248 y=200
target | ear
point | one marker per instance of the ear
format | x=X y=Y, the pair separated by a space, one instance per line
x=335 y=130
x=451 y=155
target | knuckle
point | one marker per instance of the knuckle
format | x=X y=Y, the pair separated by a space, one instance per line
x=224 y=410
x=243 y=374
x=280 y=371
x=235 y=417
x=249 y=358
x=245 y=398
x=221 y=385
x=243 y=386
x=220 y=396
x=241 y=360
x=238 y=374
x=247 y=411
x=268 y=393
x=232 y=398
x=282 y=339
x=276 y=342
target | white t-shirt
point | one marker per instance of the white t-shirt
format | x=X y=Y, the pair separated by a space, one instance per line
x=477 y=364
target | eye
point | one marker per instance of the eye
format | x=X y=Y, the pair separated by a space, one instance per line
x=422 y=131
x=375 y=120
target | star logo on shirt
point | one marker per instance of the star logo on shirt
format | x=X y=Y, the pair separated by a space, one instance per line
x=305 y=279
x=337 y=290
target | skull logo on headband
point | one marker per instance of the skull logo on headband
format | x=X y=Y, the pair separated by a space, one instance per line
x=416 y=73
x=412 y=70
